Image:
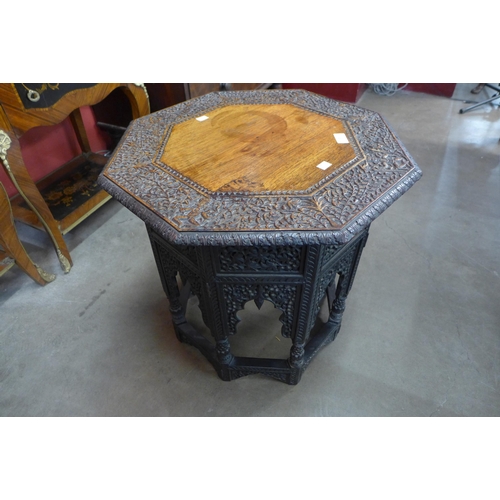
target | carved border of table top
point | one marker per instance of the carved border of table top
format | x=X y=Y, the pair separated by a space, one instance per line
x=333 y=212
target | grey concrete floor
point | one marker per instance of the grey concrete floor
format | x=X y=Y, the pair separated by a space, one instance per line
x=420 y=335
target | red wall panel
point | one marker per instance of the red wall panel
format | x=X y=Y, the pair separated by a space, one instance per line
x=45 y=149
x=347 y=92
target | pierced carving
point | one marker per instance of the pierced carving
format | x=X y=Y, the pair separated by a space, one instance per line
x=190 y=252
x=168 y=271
x=329 y=251
x=222 y=294
x=261 y=259
x=281 y=296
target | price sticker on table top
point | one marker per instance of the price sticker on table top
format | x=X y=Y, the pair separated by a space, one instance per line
x=324 y=165
x=341 y=138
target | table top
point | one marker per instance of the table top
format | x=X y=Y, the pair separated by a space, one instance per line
x=259 y=167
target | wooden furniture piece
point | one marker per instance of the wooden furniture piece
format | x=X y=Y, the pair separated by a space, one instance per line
x=13 y=251
x=61 y=201
x=260 y=195
x=164 y=95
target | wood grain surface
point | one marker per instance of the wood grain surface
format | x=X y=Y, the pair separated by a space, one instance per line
x=247 y=175
x=23 y=119
x=11 y=244
x=257 y=148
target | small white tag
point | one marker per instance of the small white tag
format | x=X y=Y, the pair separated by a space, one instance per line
x=341 y=138
x=324 y=165
x=202 y=118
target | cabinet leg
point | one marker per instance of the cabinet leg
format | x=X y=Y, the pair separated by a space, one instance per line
x=18 y=174
x=13 y=246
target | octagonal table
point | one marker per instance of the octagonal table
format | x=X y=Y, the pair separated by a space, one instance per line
x=259 y=195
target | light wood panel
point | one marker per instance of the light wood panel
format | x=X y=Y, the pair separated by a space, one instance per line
x=257 y=148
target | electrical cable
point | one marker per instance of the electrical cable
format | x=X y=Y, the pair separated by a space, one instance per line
x=386 y=89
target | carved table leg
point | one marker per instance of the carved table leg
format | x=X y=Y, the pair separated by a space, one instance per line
x=213 y=308
x=294 y=279
x=307 y=311
x=168 y=273
x=346 y=279
x=171 y=260
x=13 y=246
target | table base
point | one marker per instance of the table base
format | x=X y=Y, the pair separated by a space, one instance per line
x=295 y=279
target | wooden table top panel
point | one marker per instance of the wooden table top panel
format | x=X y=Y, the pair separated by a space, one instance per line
x=257 y=148
x=247 y=175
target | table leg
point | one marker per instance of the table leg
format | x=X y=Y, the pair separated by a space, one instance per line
x=346 y=271
x=10 y=242
x=168 y=275
x=225 y=278
x=18 y=174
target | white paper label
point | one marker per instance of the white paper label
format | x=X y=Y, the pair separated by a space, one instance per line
x=324 y=165
x=202 y=118
x=341 y=138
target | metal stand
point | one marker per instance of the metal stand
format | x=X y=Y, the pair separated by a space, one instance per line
x=491 y=99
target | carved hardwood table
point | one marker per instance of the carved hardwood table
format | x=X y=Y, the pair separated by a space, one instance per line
x=259 y=195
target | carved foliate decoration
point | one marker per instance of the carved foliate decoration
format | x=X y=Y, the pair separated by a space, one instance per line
x=282 y=296
x=190 y=253
x=261 y=259
x=225 y=279
x=331 y=211
x=329 y=251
